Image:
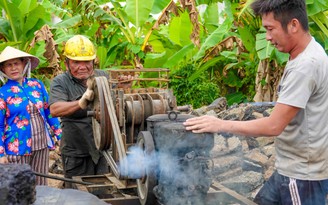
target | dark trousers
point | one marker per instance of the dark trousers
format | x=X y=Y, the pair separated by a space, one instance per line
x=282 y=190
x=82 y=166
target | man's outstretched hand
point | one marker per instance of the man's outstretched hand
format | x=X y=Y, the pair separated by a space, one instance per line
x=202 y=124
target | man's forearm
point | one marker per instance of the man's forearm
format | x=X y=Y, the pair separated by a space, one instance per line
x=63 y=109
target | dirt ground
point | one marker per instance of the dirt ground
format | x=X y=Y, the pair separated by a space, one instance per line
x=55 y=183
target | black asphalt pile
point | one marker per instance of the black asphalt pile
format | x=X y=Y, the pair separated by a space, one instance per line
x=17 y=184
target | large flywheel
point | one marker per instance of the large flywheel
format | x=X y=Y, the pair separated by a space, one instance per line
x=146 y=184
x=102 y=129
x=107 y=134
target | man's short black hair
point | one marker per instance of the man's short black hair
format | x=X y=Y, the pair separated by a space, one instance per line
x=283 y=11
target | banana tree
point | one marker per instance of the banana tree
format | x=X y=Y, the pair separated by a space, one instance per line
x=19 y=21
x=221 y=54
x=318 y=19
x=117 y=27
x=219 y=38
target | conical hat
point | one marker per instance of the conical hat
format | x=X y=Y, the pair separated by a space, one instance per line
x=11 y=53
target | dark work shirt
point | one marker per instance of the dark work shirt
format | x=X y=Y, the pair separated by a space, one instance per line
x=77 y=139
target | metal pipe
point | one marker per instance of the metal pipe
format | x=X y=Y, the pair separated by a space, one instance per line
x=62 y=178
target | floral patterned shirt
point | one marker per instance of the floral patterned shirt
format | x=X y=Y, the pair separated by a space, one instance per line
x=15 y=127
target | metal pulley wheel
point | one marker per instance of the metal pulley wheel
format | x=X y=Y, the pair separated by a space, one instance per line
x=102 y=129
x=107 y=135
x=146 y=184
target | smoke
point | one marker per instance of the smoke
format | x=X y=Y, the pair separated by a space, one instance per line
x=136 y=163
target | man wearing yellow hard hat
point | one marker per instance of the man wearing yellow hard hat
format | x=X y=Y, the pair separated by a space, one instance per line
x=69 y=99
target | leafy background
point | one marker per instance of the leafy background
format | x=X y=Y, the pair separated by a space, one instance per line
x=213 y=48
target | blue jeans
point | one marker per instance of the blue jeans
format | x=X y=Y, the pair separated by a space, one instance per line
x=277 y=191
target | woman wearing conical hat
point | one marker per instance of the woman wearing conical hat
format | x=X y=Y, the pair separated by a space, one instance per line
x=24 y=114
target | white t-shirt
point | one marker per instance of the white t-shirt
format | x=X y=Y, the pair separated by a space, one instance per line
x=302 y=148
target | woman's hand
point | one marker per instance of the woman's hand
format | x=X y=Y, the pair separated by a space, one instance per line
x=3 y=160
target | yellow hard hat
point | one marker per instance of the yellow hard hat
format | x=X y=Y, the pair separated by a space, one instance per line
x=79 y=48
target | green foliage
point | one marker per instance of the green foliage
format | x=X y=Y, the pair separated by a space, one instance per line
x=235 y=98
x=21 y=20
x=126 y=33
x=138 y=11
x=199 y=92
x=179 y=29
x=214 y=38
x=234 y=74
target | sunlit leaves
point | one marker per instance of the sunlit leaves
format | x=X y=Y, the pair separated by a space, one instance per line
x=138 y=11
x=180 y=29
